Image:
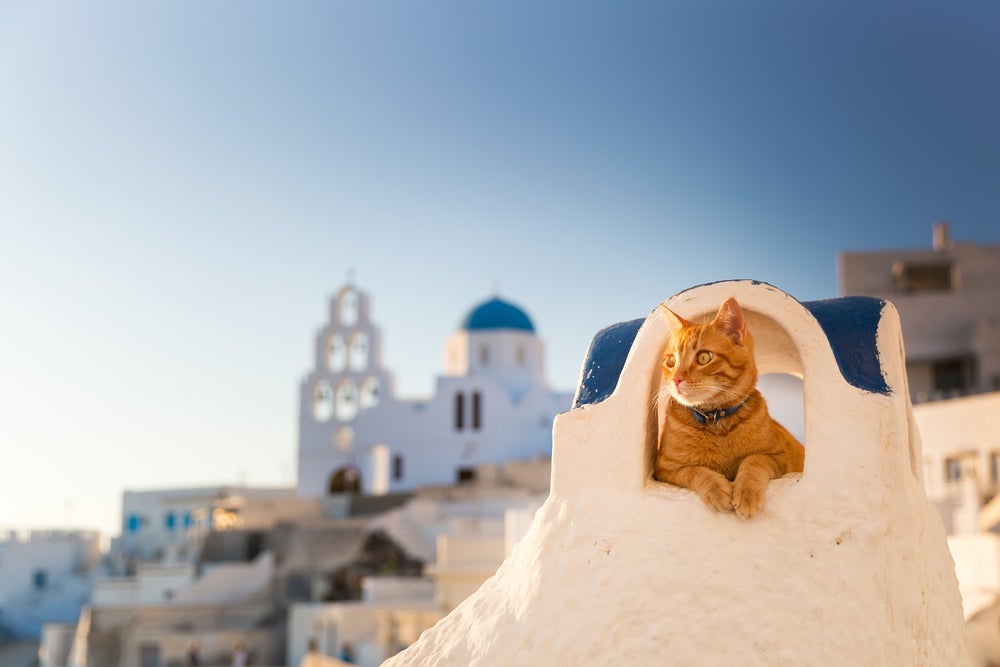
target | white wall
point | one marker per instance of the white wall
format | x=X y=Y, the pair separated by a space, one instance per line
x=63 y=560
x=977 y=566
x=955 y=426
x=56 y=641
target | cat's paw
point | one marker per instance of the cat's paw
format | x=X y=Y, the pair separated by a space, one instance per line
x=718 y=495
x=748 y=499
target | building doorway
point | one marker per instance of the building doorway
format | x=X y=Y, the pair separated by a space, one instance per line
x=346 y=479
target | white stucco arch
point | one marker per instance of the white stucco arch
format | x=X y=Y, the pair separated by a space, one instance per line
x=846 y=564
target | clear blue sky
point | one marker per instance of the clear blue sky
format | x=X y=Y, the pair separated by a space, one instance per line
x=183 y=185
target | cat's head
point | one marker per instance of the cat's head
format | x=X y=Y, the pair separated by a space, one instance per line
x=710 y=364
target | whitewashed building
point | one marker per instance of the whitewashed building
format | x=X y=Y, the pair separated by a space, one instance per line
x=168 y=524
x=491 y=405
x=948 y=298
x=44 y=577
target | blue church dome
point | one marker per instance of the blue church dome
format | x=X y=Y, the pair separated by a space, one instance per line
x=496 y=314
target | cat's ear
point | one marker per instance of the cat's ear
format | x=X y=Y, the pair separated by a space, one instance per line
x=730 y=320
x=676 y=321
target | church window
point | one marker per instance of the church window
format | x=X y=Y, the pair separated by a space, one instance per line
x=358 y=354
x=348 y=308
x=521 y=356
x=322 y=401
x=369 y=393
x=477 y=409
x=397 y=467
x=346 y=401
x=459 y=411
x=170 y=521
x=336 y=353
x=484 y=355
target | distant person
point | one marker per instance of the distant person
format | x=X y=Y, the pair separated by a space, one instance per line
x=193 y=658
x=240 y=657
x=347 y=652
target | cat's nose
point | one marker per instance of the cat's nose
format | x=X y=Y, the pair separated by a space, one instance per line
x=677 y=381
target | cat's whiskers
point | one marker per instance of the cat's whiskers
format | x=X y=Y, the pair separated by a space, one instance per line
x=661 y=394
x=721 y=393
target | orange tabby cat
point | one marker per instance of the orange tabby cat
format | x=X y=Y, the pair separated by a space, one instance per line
x=718 y=438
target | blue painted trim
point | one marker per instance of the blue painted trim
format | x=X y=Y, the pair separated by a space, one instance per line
x=604 y=362
x=850 y=324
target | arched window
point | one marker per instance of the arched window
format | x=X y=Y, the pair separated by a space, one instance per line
x=369 y=393
x=322 y=401
x=521 y=355
x=349 y=308
x=358 y=353
x=484 y=355
x=336 y=353
x=346 y=401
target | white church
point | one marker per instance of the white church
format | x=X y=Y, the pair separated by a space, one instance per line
x=492 y=404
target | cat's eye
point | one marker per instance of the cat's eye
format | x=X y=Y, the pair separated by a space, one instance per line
x=704 y=357
x=669 y=361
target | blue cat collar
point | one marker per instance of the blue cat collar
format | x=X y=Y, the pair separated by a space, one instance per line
x=714 y=416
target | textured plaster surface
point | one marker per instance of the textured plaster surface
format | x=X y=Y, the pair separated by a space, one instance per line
x=847 y=564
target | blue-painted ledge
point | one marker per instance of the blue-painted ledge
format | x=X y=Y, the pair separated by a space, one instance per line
x=850 y=324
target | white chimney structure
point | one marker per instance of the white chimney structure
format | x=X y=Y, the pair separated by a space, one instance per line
x=846 y=565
